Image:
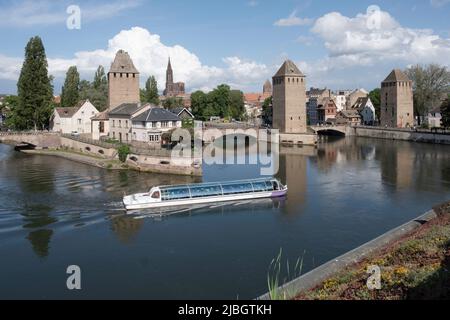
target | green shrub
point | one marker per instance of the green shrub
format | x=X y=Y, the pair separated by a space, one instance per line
x=124 y=151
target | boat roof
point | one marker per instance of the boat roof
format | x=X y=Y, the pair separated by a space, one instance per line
x=218 y=183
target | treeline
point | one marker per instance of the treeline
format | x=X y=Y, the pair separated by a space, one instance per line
x=221 y=102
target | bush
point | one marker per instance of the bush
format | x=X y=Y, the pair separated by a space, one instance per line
x=124 y=151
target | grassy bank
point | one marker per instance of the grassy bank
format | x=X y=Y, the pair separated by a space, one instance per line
x=417 y=266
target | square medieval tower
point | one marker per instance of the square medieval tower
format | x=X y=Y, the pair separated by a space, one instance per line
x=123 y=81
x=289 y=99
x=397 y=107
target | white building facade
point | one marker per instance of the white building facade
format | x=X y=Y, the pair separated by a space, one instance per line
x=75 y=119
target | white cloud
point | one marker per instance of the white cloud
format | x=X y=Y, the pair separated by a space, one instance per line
x=150 y=56
x=45 y=12
x=293 y=20
x=376 y=37
x=9 y=67
x=253 y=3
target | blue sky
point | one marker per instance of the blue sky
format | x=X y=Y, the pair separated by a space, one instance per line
x=338 y=44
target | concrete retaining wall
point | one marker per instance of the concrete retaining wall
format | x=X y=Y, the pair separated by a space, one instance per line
x=397 y=134
x=107 y=153
x=181 y=166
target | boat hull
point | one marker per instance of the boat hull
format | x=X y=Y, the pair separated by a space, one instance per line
x=190 y=201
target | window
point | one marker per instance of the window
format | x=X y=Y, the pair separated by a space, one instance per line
x=127 y=136
x=126 y=123
x=101 y=127
x=79 y=121
x=154 y=124
x=120 y=123
x=114 y=124
x=174 y=124
x=114 y=135
x=164 y=124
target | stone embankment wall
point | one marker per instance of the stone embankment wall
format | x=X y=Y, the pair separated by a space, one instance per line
x=400 y=134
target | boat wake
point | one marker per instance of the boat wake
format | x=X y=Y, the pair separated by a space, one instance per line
x=158 y=213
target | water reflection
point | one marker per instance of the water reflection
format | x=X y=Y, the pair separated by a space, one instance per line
x=342 y=193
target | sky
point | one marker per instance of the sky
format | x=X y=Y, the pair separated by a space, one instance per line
x=341 y=44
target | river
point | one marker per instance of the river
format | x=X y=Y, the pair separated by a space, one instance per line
x=55 y=213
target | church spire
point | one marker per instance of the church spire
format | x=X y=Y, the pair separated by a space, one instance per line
x=169 y=74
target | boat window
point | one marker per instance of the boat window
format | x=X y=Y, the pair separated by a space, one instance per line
x=206 y=191
x=156 y=195
x=176 y=193
x=261 y=186
x=237 y=188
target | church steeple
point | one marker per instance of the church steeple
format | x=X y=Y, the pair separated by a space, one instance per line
x=169 y=74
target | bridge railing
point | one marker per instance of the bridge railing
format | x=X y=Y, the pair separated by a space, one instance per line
x=27 y=133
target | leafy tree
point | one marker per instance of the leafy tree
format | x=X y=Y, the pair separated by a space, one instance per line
x=70 y=93
x=8 y=109
x=100 y=80
x=267 y=111
x=429 y=84
x=150 y=93
x=34 y=88
x=97 y=91
x=198 y=103
x=123 y=151
x=237 y=108
x=445 y=112
x=375 y=97
x=221 y=102
x=173 y=102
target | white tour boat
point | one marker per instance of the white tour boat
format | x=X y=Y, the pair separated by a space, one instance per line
x=170 y=196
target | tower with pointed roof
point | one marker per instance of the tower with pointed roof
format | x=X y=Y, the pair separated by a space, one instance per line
x=397 y=107
x=289 y=99
x=267 y=88
x=172 y=89
x=123 y=81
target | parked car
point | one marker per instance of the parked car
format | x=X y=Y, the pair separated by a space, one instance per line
x=75 y=134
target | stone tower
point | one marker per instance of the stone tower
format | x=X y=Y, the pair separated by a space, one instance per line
x=123 y=81
x=267 y=88
x=289 y=99
x=397 y=107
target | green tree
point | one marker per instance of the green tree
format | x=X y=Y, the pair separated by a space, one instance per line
x=150 y=93
x=123 y=152
x=8 y=108
x=219 y=101
x=34 y=88
x=100 y=80
x=70 y=93
x=173 y=102
x=445 y=112
x=198 y=104
x=97 y=91
x=236 y=106
x=267 y=111
x=429 y=84
x=375 y=97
